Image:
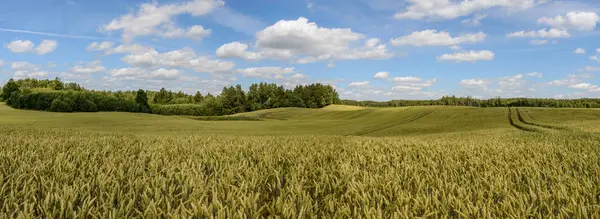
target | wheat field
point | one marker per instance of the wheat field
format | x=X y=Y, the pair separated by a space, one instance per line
x=337 y=162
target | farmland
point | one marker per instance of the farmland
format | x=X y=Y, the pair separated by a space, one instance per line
x=338 y=161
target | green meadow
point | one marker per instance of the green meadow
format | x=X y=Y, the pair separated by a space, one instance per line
x=333 y=162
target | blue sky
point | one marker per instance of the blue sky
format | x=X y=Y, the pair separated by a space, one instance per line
x=367 y=49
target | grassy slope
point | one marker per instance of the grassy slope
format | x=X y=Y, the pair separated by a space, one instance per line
x=337 y=120
x=437 y=162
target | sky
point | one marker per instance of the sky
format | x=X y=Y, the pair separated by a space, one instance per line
x=367 y=49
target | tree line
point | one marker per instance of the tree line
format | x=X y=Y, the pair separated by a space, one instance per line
x=55 y=95
x=492 y=102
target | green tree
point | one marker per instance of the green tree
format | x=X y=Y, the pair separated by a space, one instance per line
x=163 y=96
x=198 y=98
x=10 y=87
x=141 y=99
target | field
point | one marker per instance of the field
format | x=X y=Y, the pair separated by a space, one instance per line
x=335 y=162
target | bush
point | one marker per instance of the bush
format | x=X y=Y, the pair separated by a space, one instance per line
x=14 y=98
x=179 y=109
x=60 y=106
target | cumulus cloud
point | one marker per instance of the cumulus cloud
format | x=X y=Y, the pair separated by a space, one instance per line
x=267 y=72
x=579 y=51
x=435 y=38
x=152 y=18
x=474 y=82
x=27 y=70
x=447 y=9
x=475 y=21
x=46 y=46
x=358 y=83
x=406 y=79
x=302 y=42
x=195 y=32
x=237 y=49
x=90 y=68
x=583 y=86
x=470 y=56
x=182 y=58
x=100 y=46
x=543 y=33
x=26 y=46
x=382 y=75
x=585 y=21
x=20 y=46
x=137 y=73
x=572 y=79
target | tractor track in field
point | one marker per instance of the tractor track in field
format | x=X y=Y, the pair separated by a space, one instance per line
x=514 y=124
x=409 y=120
x=520 y=116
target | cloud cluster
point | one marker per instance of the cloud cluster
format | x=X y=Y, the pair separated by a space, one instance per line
x=27 y=70
x=26 y=46
x=152 y=18
x=435 y=38
x=449 y=9
x=468 y=56
x=303 y=42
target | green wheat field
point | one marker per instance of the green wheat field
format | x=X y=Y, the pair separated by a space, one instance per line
x=335 y=162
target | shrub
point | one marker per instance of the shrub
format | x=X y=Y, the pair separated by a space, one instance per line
x=59 y=105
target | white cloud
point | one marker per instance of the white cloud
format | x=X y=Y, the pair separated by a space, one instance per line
x=237 y=49
x=358 y=84
x=27 y=70
x=1 y=62
x=583 y=86
x=538 y=42
x=152 y=18
x=585 y=21
x=406 y=79
x=595 y=58
x=90 y=68
x=24 y=66
x=406 y=88
x=475 y=21
x=136 y=73
x=129 y=48
x=46 y=46
x=126 y=72
x=470 y=56
x=572 y=79
x=30 y=74
x=20 y=46
x=195 y=32
x=304 y=42
x=382 y=75
x=105 y=45
x=543 y=33
x=183 y=58
x=299 y=76
x=165 y=74
x=266 y=72
x=435 y=38
x=447 y=9
x=474 y=82
x=579 y=51
x=535 y=74
x=24 y=46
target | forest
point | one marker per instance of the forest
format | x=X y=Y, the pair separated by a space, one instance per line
x=57 y=96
